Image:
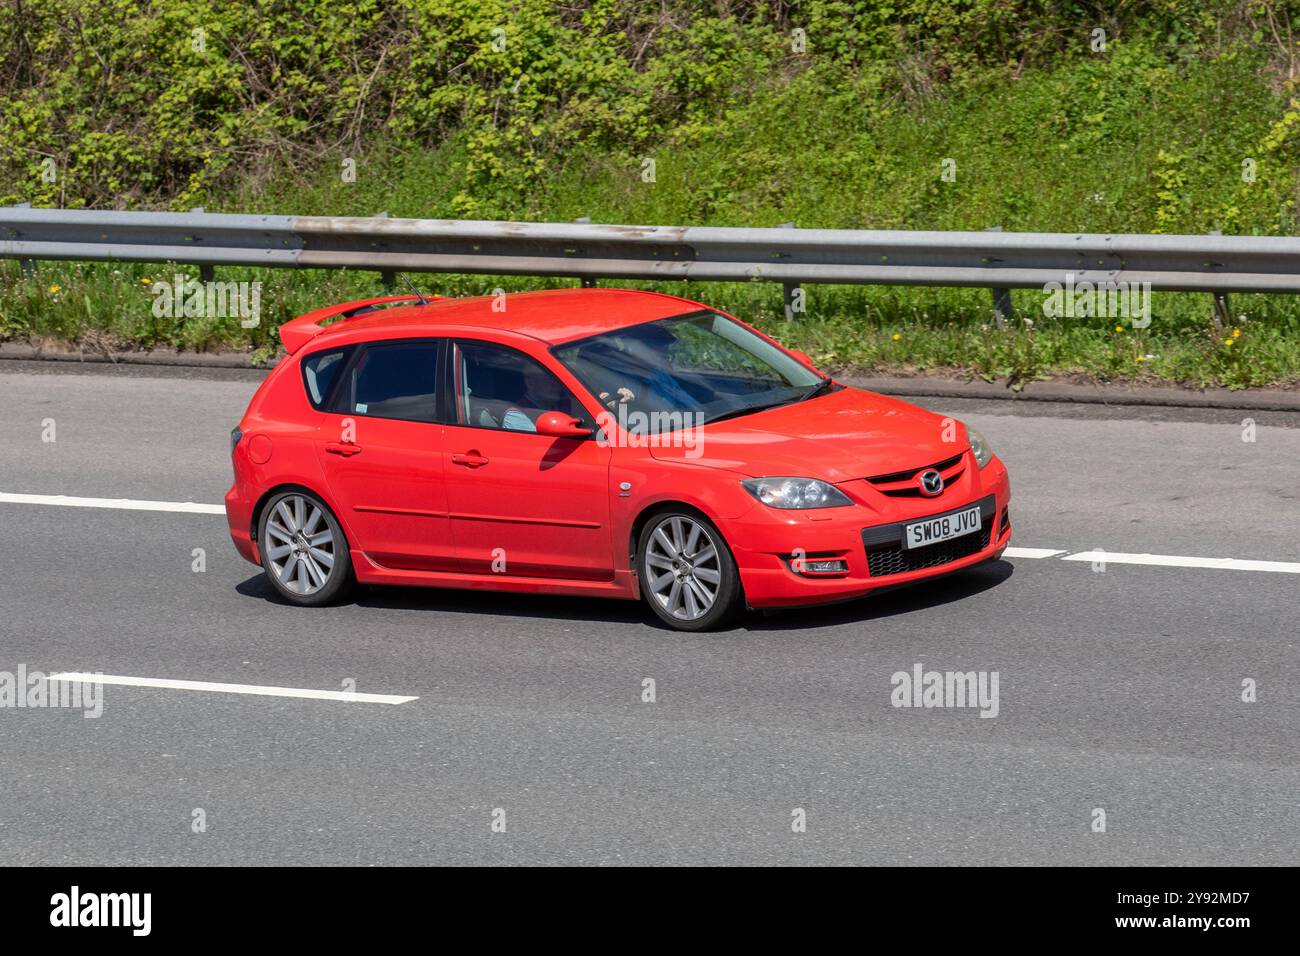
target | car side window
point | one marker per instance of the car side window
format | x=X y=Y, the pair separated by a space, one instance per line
x=499 y=387
x=320 y=373
x=393 y=380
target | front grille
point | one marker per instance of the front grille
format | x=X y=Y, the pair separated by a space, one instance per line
x=902 y=484
x=893 y=559
x=913 y=472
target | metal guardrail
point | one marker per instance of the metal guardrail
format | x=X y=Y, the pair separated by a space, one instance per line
x=989 y=259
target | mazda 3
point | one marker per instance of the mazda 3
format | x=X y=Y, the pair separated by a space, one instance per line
x=598 y=443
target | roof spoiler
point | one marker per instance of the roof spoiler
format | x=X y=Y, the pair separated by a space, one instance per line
x=298 y=332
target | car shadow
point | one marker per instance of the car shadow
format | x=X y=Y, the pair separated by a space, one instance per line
x=892 y=603
x=906 y=599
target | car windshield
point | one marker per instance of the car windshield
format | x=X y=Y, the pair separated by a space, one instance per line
x=693 y=368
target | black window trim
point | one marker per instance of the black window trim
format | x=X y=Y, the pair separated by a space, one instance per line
x=360 y=349
x=448 y=395
x=327 y=401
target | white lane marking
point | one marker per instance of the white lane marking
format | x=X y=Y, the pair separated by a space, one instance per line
x=341 y=695
x=120 y=504
x=1183 y=561
x=1032 y=552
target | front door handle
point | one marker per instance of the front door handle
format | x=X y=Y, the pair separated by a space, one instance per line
x=346 y=449
x=470 y=459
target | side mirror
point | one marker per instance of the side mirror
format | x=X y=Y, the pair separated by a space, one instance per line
x=802 y=357
x=560 y=425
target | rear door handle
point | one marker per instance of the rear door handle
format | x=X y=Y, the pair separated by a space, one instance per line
x=471 y=459
x=345 y=449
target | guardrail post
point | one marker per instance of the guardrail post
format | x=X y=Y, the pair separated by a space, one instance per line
x=387 y=276
x=1002 y=311
x=1222 y=309
x=587 y=282
x=206 y=273
x=27 y=265
x=1001 y=305
x=789 y=289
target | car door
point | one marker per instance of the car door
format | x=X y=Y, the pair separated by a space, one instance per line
x=380 y=447
x=522 y=504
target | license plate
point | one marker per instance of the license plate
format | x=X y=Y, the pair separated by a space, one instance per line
x=934 y=530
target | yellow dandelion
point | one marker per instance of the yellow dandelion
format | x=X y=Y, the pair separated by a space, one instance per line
x=1119 y=328
x=1139 y=358
x=1227 y=341
x=1236 y=333
x=897 y=337
x=55 y=289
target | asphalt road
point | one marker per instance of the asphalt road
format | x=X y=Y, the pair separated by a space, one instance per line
x=1119 y=689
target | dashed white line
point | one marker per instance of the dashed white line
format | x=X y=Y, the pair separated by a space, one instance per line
x=1111 y=557
x=1032 y=552
x=1183 y=561
x=339 y=695
x=119 y=504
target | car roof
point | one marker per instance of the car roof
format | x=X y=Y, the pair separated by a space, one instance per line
x=553 y=316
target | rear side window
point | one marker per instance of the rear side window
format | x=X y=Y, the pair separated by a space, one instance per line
x=398 y=380
x=320 y=373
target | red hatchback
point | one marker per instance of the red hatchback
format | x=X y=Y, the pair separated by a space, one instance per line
x=594 y=442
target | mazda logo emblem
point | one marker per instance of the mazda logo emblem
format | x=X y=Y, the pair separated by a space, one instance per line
x=930 y=482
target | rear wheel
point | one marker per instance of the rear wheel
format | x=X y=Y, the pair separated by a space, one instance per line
x=688 y=576
x=304 y=552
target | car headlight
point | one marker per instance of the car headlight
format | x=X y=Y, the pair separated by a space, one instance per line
x=979 y=446
x=796 y=493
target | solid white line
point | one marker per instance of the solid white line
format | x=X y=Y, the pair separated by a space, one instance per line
x=341 y=695
x=119 y=504
x=1031 y=552
x=1182 y=561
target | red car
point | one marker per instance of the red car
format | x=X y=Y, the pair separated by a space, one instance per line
x=594 y=442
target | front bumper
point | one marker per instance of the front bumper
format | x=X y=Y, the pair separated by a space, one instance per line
x=771 y=547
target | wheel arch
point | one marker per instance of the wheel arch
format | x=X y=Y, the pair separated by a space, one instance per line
x=281 y=488
x=656 y=508
x=664 y=506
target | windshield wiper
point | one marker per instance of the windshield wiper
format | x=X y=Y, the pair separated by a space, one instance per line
x=811 y=392
x=817 y=389
x=747 y=410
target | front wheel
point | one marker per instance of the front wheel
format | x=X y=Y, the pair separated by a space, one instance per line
x=688 y=576
x=304 y=552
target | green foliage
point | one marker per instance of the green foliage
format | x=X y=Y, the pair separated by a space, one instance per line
x=828 y=113
x=175 y=101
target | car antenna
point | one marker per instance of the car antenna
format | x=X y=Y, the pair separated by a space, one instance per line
x=410 y=285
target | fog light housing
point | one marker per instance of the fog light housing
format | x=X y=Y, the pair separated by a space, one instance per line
x=819 y=566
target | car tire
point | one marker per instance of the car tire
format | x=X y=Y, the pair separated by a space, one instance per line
x=687 y=573
x=304 y=551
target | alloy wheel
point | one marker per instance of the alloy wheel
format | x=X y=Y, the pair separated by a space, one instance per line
x=683 y=567
x=299 y=545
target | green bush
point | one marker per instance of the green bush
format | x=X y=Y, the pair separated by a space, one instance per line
x=827 y=113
